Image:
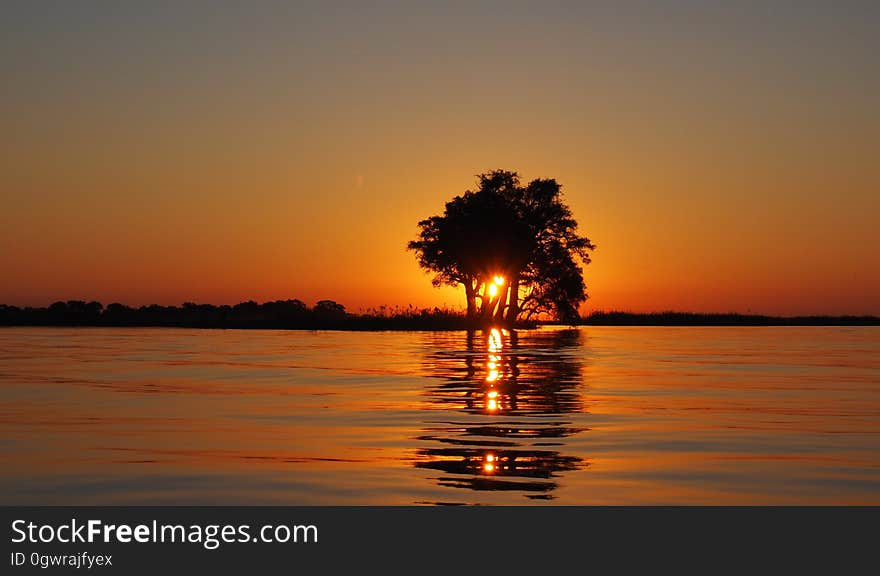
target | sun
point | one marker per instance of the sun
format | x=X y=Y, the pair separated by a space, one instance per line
x=497 y=281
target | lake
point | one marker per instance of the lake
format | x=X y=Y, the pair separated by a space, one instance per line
x=594 y=415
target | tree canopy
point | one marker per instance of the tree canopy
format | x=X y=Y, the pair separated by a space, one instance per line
x=515 y=248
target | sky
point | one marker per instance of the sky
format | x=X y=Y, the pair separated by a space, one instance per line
x=721 y=155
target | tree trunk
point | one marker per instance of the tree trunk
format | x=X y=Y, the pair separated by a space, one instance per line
x=484 y=299
x=513 y=306
x=471 y=293
x=502 y=304
x=487 y=305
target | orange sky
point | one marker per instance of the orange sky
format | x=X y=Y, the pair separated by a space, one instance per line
x=722 y=158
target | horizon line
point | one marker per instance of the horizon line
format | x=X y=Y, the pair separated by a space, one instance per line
x=400 y=308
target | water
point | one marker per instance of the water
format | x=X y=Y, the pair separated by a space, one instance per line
x=597 y=415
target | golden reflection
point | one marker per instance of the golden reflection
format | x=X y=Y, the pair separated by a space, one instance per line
x=489 y=464
x=495 y=344
x=493 y=290
x=516 y=397
x=494 y=374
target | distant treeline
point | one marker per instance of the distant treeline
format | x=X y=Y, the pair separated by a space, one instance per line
x=730 y=319
x=327 y=314
x=283 y=314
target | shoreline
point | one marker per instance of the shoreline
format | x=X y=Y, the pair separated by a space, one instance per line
x=818 y=322
x=329 y=315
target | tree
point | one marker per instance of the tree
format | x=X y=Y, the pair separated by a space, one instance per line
x=328 y=310
x=514 y=248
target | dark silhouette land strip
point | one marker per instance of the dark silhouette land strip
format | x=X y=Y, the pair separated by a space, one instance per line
x=330 y=315
x=725 y=319
x=279 y=314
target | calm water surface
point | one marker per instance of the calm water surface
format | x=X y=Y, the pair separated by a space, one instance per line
x=596 y=415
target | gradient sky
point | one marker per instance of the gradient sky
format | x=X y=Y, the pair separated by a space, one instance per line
x=722 y=155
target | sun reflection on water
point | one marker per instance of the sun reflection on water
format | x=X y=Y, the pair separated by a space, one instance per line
x=513 y=399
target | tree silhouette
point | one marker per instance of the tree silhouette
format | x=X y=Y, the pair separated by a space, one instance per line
x=514 y=248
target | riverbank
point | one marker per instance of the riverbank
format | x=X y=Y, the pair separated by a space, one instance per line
x=728 y=319
x=329 y=315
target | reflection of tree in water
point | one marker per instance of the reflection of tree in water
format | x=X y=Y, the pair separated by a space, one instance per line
x=509 y=394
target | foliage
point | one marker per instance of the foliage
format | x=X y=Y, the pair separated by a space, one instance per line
x=524 y=234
